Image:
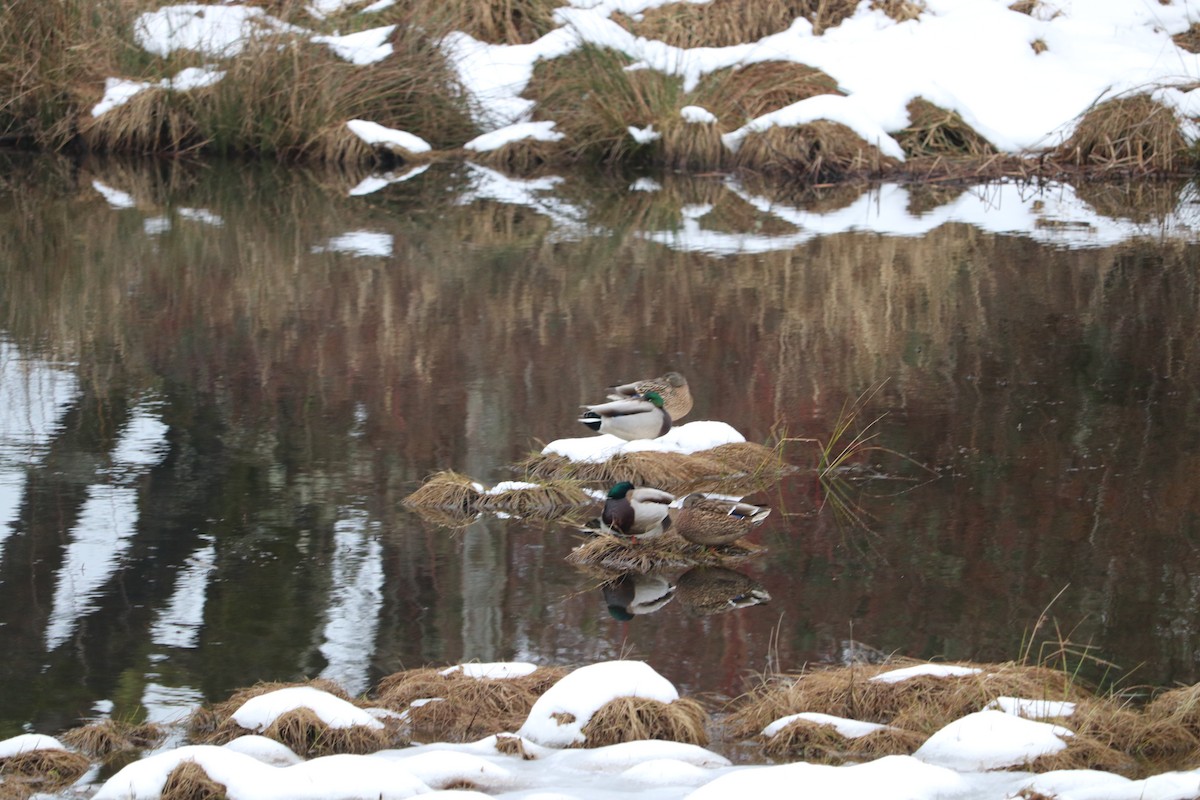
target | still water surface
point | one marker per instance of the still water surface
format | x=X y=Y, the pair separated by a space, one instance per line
x=219 y=382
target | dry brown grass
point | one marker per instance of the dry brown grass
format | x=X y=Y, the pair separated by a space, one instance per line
x=822 y=743
x=631 y=719
x=616 y=554
x=1129 y=135
x=446 y=490
x=189 y=781
x=469 y=708
x=817 y=152
x=493 y=21
x=290 y=99
x=727 y=22
x=923 y=704
x=41 y=770
x=739 y=95
x=593 y=100
x=900 y=10
x=935 y=131
x=101 y=738
x=739 y=468
x=1189 y=40
x=453 y=499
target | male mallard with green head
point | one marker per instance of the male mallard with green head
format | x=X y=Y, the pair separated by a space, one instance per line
x=713 y=522
x=636 y=418
x=671 y=386
x=635 y=512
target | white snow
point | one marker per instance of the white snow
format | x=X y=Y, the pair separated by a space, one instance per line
x=920 y=670
x=691 y=437
x=496 y=670
x=538 y=131
x=362 y=48
x=991 y=740
x=697 y=114
x=27 y=743
x=373 y=133
x=583 y=692
x=850 y=728
x=258 y=713
x=1033 y=709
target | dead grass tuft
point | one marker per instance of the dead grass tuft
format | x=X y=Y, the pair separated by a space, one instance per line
x=308 y=736
x=739 y=95
x=39 y=770
x=1133 y=135
x=1189 y=40
x=594 y=100
x=819 y=152
x=900 y=10
x=492 y=21
x=630 y=719
x=107 y=736
x=509 y=745
x=446 y=489
x=921 y=704
x=822 y=743
x=189 y=781
x=215 y=725
x=1084 y=752
x=616 y=554
x=741 y=467
x=934 y=131
x=467 y=708
x=290 y=99
x=722 y=23
x=547 y=498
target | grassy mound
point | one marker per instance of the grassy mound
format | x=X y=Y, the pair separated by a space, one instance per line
x=631 y=719
x=616 y=554
x=459 y=498
x=816 y=152
x=189 y=781
x=108 y=736
x=464 y=708
x=722 y=23
x=735 y=468
x=1109 y=734
x=822 y=743
x=1133 y=135
x=40 y=770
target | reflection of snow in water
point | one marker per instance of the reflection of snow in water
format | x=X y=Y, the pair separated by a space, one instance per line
x=98 y=540
x=106 y=524
x=1052 y=214
x=179 y=623
x=34 y=396
x=353 y=617
x=168 y=704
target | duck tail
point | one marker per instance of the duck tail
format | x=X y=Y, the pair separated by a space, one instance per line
x=591 y=419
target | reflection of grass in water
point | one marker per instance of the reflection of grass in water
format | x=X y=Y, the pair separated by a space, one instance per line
x=840 y=456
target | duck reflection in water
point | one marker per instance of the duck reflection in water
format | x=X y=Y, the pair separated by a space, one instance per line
x=715 y=590
x=703 y=591
x=632 y=594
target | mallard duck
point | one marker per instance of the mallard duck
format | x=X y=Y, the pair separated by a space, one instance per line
x=632 y=594
x=713 y=522
x=672 y=386
x=715 y=590
x=641 y=417
x=634 y=512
